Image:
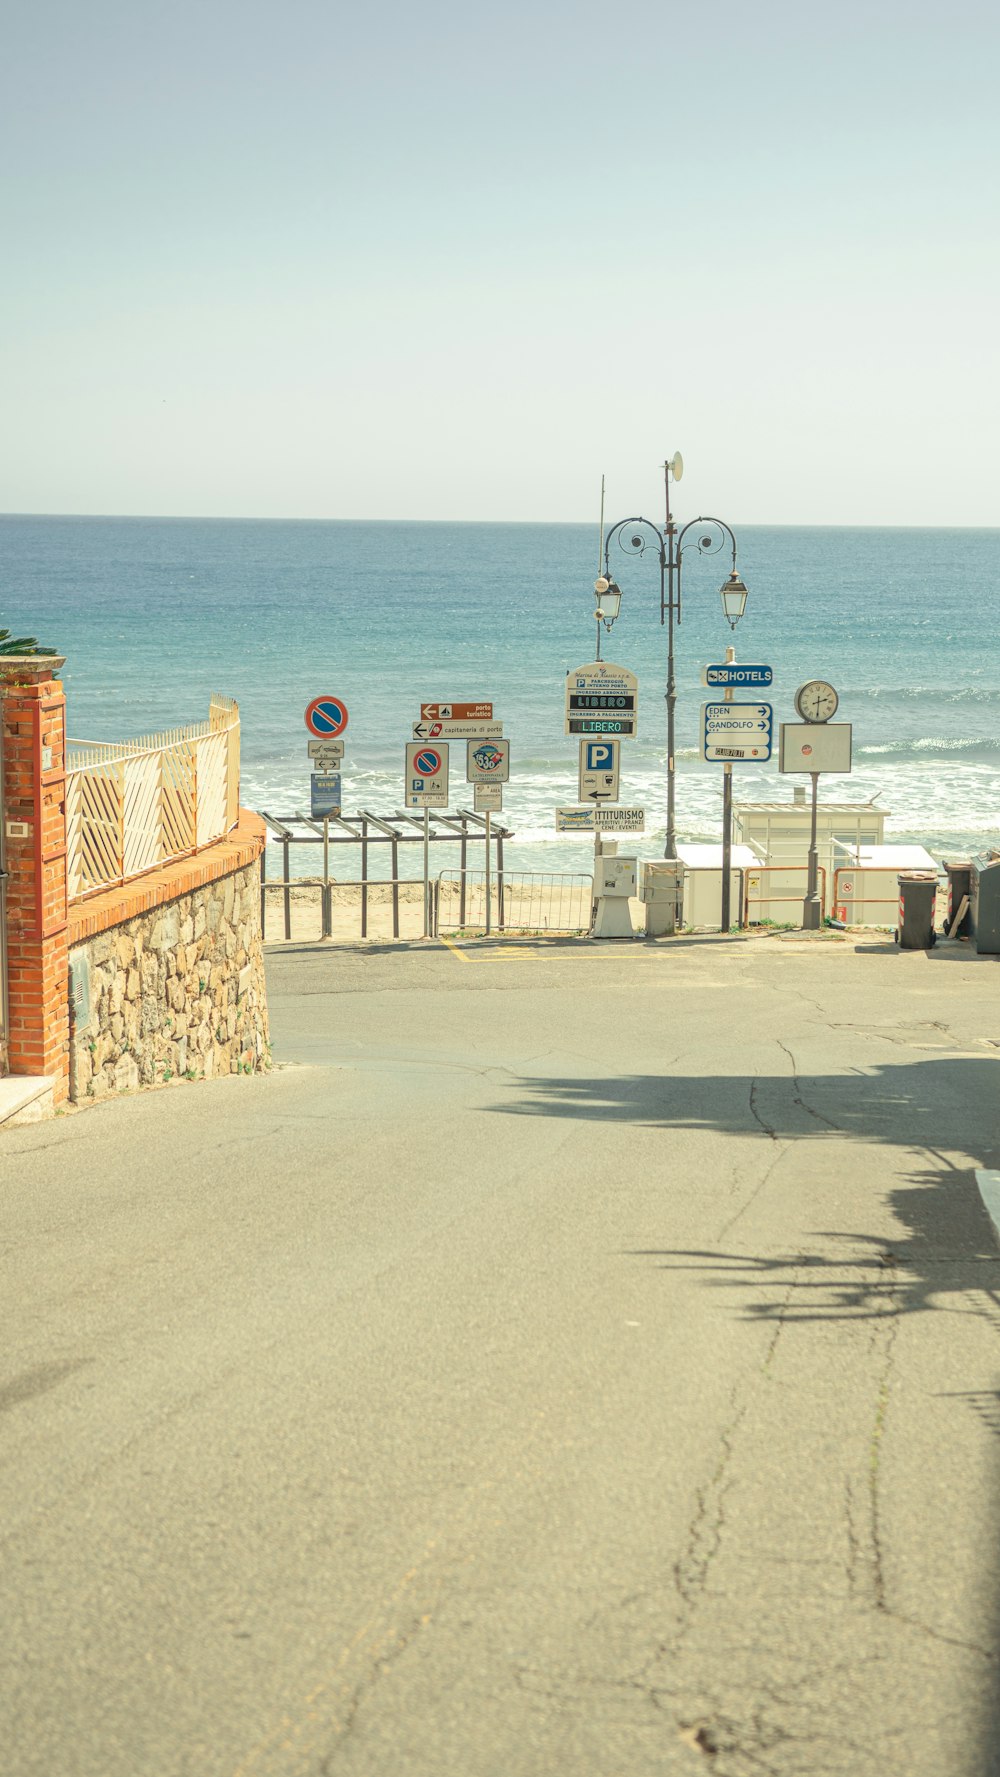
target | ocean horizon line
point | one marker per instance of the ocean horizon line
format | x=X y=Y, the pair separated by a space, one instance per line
x=507 y=523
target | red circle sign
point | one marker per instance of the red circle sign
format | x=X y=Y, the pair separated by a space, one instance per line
x=326 y=717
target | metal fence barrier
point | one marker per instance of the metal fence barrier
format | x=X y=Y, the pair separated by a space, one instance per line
x=520 y=901
x=370 y=893
x=758 y=893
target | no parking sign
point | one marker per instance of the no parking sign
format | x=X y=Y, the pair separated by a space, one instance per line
x=326 y=717
x=426 y=781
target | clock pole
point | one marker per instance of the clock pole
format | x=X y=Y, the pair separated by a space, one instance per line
x=812 y=907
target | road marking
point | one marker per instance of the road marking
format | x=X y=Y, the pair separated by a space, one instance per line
x=453 y=948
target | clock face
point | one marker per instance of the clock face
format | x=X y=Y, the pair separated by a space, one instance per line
x=817 y=701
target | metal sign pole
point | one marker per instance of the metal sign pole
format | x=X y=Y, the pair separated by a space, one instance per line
x=597 y=871
x=327 y=912
x=811 y=908
x=427 y=873
x=727 y=816
x=489 y=848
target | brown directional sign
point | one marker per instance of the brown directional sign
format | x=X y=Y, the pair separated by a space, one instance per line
x=456 y=712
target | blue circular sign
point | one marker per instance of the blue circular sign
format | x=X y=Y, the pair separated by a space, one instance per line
x=326 y=717
x=427 y=762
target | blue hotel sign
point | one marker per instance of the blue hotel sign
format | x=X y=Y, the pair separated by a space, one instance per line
x=743 y=678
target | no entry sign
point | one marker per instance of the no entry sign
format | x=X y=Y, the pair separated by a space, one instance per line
x=326 y=717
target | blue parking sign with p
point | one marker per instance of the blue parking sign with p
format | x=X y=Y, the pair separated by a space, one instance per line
x=599 y=755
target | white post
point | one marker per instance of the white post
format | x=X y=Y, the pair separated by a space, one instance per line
x=427 y=873
x=812 y=908
x=489 y=845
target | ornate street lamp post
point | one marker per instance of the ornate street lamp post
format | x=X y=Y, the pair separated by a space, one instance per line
x=634 y=536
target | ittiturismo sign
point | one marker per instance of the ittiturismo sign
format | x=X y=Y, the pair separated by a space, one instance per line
x=600 y=820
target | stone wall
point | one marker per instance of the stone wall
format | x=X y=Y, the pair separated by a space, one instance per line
x=176 y=992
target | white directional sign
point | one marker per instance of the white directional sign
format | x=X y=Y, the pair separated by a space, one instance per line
x=600 y=820
x=599 y=764
x=601 y=698
x=488 y=761
x=733 y=731
x=426 y=782
x=487 y=798
x=485 y=730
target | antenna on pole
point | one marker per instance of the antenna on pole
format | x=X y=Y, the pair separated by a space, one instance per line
x=600 y=558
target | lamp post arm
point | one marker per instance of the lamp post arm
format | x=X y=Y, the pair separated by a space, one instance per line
x=637 y=544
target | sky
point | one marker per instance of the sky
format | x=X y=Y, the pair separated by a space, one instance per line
x=455 y=262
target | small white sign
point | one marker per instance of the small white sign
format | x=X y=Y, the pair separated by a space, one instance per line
x=327 y=753
x=815 y=746
x=426 y=780
x=487 y=798
x=487 y=761
x=425 y=730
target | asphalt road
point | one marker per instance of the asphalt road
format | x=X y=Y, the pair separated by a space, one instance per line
x=573 y=1359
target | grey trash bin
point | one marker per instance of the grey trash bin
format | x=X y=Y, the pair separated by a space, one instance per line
x=915 y=927
x=984 y=902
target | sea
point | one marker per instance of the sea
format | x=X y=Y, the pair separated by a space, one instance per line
x=154 y=614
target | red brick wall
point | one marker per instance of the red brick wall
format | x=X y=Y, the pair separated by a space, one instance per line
x=34 y=727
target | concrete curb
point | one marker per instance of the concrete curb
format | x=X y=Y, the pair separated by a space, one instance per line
x=989 y=1191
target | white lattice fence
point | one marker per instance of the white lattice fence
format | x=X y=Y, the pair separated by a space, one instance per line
x=132 y=805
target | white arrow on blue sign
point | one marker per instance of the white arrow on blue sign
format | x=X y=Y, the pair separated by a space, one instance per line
x=733 y=731
x=730 y=673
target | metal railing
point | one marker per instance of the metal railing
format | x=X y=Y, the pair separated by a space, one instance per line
x=369 y=893
x=133 y=805
x=757 y=894
x=519 y=901
x=848 y=902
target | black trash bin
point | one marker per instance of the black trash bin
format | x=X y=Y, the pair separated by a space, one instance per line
x=959 y=888
x=984 y=902
x=915 y=929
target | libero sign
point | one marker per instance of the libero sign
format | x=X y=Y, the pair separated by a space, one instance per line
x=601 y=698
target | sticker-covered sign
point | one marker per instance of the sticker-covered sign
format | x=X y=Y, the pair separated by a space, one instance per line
x=488 y=761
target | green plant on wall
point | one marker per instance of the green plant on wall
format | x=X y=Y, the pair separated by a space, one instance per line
x=20 y=644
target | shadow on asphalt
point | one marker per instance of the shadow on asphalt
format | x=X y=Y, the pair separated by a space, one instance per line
x=945 y=1256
